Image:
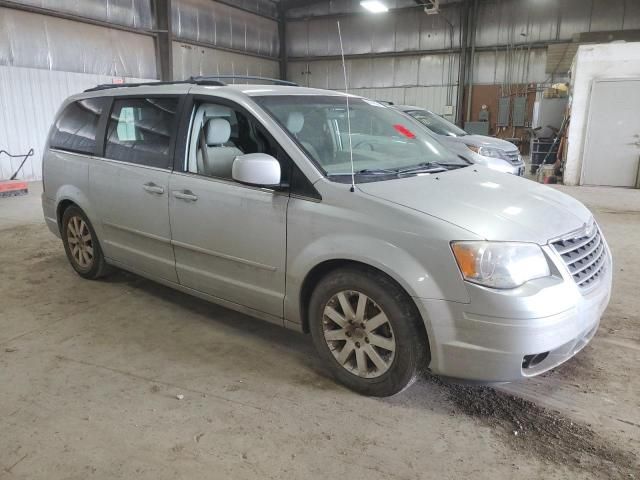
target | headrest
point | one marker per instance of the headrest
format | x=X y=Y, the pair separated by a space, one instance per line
x=217 y=131
x=295 y=122
x=211 y=110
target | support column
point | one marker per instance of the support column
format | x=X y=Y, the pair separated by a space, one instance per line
x=163 y=39
x=462 y=62
x=472 y=31
x=282 y=35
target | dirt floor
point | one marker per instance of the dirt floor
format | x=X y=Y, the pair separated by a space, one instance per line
x=123 y=378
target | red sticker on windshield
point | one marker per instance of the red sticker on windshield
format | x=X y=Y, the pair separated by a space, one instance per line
x=402 y=130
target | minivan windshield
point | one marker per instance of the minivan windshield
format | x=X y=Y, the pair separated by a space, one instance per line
x=385 y=143
x=436 y=123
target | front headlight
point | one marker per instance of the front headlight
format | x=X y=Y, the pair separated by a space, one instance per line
x=500 y=264
x=488 y=151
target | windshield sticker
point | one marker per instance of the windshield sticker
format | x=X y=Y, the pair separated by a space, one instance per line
x=402 y=130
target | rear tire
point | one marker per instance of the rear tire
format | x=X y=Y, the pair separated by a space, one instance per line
x=81 y=244
x=367 y=331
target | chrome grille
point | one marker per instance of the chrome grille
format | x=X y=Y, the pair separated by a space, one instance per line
x=514 y=157
x=584 y=256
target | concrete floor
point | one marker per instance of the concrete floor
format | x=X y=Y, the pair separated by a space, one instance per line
x=90 y=371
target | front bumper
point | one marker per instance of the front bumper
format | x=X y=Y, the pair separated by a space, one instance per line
x=488 y=338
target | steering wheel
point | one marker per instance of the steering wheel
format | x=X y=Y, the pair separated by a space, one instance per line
x=363 y=142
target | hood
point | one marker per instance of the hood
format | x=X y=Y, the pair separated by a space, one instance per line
x=493 y=205
x=482 y=141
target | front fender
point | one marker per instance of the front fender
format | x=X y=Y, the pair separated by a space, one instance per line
x=408 y=271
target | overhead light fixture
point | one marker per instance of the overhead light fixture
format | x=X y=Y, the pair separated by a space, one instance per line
x=374 y=6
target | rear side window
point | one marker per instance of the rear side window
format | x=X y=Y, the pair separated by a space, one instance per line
x=75 y=128
x=140 y=131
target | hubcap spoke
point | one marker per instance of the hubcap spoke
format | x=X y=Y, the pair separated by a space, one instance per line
x=382 y=342
x=335 y=335
x=346 y=306
x=335 y=316
x=361 y=308
x=361 y=362
x=376 y=322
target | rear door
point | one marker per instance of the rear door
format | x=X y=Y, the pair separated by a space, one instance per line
x=130 y=185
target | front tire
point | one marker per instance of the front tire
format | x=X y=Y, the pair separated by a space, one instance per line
x=368 y=331
x=81 y=244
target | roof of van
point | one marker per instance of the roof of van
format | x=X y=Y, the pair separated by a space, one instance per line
x=185 y=87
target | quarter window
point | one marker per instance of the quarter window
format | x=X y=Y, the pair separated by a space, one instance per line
x=75 y=129
x=140 y=131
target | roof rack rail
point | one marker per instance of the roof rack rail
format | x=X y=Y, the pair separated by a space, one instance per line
x=107 y=86
x=212 y=80
x=275 y=81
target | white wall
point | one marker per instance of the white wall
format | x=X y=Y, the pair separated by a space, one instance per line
x=29 y=100
x=193 y=60
x=612 y=60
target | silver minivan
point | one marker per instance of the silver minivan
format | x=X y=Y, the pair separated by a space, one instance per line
x=332 y=215
x=495 y=153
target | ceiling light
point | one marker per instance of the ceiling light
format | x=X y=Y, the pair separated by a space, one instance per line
x=374 y=6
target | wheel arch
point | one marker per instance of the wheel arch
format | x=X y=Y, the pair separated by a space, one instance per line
x=324 y=268
x=69 y=195
x=61 y=208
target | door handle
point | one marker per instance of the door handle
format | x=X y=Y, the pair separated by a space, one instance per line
x=186 y=195
x=153 y=188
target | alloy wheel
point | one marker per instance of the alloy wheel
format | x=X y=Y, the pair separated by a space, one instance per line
x=80 y=242
x=359 y=334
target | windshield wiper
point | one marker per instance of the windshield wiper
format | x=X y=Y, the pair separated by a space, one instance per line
x=431 y=167
x=376 y=171
x=366 y=171
x=424 y=167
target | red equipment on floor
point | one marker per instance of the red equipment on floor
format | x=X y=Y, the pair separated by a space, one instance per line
x=13 y=187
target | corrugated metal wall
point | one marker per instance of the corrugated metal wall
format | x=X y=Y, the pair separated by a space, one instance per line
x=203 y=25
x=39 y=41
x=224 y=26
x=416 y=80
x=425 y=78
x=401 y=31
x=29 y=100
x=129 y=13
x=189 y=59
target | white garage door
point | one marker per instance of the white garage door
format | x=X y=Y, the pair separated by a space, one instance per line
x=612 y=146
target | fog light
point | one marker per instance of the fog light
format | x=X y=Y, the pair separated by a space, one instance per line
x=532 y=360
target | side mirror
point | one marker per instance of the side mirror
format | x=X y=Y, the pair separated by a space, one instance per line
x=256 y=169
